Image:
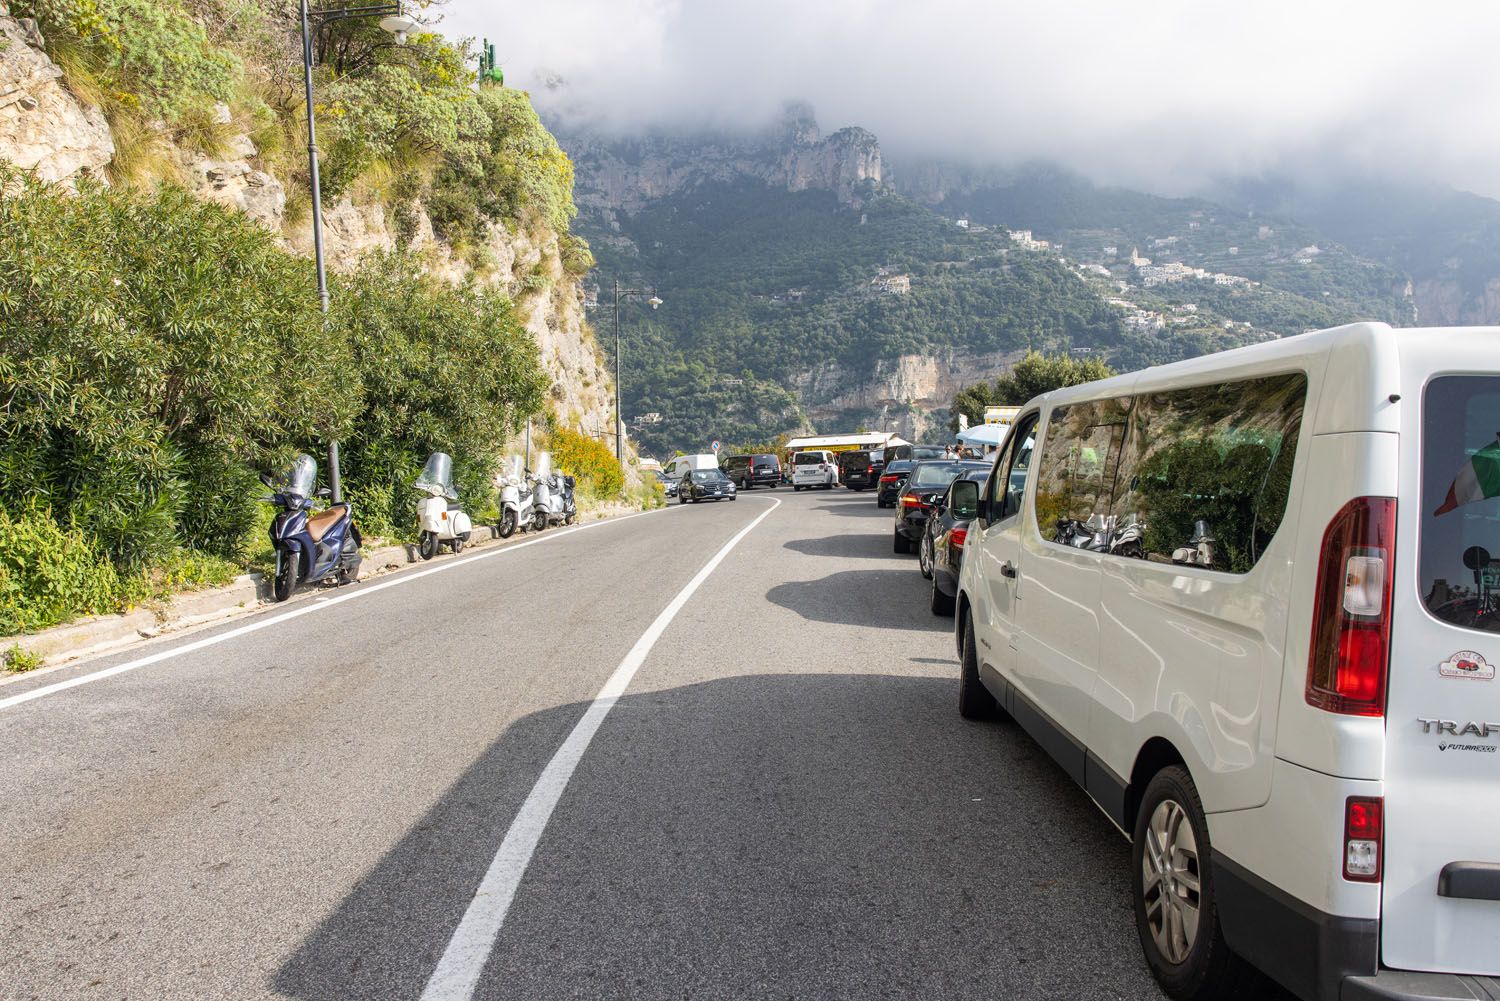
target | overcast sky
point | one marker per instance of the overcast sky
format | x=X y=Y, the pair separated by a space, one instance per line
x=1163 y=94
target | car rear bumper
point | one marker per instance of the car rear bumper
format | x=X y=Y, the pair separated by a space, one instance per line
x=912 y=528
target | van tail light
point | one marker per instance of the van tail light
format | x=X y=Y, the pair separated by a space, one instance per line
x=957 y=538
x=1364 y=838
x=1351 y=634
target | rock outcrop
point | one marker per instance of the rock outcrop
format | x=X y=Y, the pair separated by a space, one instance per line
x=909 y=395
x=44 y=128
x=625 y=175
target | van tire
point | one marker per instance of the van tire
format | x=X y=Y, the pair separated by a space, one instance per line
x=1209 y=970
x=974 y=700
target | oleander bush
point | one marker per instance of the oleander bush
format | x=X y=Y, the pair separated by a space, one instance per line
x=49 y=574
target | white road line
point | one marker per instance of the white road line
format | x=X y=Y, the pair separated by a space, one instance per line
x=458 y=970
x=316 y=605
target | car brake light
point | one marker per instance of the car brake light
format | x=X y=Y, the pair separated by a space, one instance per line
x=907 y=500
x=958 y=537
x=1364 y=830
x=889 y=479
x=1346 y=668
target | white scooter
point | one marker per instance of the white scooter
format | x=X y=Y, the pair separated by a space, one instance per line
x=517 y=498
x=554 y=495
x=439 y=516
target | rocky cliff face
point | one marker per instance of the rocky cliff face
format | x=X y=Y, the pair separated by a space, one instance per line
x=909 y=395
x=45 y=128
x=626 y=175
x=1446 y=302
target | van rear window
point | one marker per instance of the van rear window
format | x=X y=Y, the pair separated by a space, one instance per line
x=1461 y=500
x=807 y=458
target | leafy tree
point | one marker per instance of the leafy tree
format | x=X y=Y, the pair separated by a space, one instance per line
x=1033 y=375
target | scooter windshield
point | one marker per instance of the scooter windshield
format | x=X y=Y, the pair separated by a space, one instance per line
x=301 y=478
x=437 y=476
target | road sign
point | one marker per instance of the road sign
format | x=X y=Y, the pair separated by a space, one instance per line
x=716 y=446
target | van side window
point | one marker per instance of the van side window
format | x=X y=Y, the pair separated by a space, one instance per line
x=1459 y=542
x=1008 y=482
x=1080 y=454
x=1206 y=472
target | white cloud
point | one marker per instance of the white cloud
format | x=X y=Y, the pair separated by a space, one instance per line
x=1159 y=93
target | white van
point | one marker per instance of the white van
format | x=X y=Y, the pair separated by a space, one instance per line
x=814 y=468
x=684 y=464
x=1248 y=602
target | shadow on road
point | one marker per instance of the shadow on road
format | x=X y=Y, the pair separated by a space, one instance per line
x=861 y=546
x=806 y=836
x=876 y=599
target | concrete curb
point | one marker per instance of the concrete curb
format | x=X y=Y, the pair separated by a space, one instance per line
x=104 y=633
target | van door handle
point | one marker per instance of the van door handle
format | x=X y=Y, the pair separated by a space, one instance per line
x=1008 y=569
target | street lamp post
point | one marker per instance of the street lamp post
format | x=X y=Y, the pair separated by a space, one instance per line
x=395 y=21
x=654 y=302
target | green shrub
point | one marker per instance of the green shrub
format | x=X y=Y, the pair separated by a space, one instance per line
x=19 y=659
x=152 y=351
x=50 y=575
x=443 y=369
x=591 y=462
x=149 y=54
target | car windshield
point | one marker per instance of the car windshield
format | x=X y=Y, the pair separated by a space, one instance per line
x=899 y=466
x=935 y=474
x=707 y=475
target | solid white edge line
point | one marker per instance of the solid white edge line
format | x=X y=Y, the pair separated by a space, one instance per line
x=457 y=972
x=314 y=605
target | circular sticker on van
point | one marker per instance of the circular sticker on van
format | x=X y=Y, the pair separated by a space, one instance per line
x=1467 y=664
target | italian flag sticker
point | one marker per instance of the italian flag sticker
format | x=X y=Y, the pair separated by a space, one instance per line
x=1477 y=480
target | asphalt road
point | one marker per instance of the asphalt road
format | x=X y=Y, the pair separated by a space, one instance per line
x=783 y=803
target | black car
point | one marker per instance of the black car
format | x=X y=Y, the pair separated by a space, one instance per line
x=928 y=481
x=891 y=478
x=860 y=469
x=917 y=453
x=704 y=484
x=749 y=471
x=940 y=553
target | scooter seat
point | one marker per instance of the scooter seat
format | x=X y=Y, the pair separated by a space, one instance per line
x=321 y=522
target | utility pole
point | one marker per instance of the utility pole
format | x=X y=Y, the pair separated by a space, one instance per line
x=654 y=302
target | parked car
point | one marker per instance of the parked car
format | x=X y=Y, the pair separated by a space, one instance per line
x=668 y=484
x=940 y=552
x=705 y=484
x=750 y=471
x=1287 y=700
x=814 y=468
x=927 y=482
x=891 y=478
x=916 y=453
x=859 y=469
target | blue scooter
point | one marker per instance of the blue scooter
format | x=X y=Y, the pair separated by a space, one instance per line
x=309 y=547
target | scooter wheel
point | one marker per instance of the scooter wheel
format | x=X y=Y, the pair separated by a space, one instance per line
x=540 y=522
x=458 y=545
x=507 y=523
x=427 y=546
x=285 y=581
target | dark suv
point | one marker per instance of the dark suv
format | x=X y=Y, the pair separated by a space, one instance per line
x=860 y=470
x=748 y=471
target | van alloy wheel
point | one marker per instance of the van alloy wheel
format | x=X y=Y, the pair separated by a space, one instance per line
x=1171 y=882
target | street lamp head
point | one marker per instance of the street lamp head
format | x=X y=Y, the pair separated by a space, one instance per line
x=400 y=24
x=654 y=301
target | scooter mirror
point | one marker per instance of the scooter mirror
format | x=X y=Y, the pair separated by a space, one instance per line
x=325 y=492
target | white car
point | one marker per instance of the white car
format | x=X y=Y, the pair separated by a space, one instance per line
x=1248 y=602
x=815 y=468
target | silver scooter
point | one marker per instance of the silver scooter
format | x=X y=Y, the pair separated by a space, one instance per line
x=554 y=494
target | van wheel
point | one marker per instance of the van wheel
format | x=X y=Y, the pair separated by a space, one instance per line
x=974 y=700
x=900 y=545
x=1176 y=914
